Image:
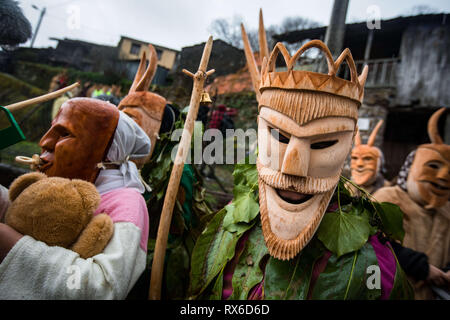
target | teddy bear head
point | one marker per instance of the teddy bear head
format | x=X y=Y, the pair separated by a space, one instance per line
x=53 y=210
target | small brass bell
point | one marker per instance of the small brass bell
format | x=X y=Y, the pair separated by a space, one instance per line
x=205 y=98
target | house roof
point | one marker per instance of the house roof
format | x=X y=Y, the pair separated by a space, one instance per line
x=360 y=29
x=82 y=43
x=146 y=43
x=386 y=41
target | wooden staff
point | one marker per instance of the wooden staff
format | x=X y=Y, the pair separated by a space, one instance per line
x=177 y=170
x=40 y=99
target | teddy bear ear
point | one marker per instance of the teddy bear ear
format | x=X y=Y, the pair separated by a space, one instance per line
x=90 y=195
x=23 y=182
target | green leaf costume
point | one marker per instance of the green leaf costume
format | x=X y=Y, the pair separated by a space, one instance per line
x=344 y=260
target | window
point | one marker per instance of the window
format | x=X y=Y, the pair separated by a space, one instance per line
x=135 y=49
x=158 y=53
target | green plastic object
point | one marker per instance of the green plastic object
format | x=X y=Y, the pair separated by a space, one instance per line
x=11 y=135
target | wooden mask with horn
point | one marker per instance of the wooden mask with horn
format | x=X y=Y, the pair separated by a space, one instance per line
x=144 y=107
x=306 y=124
x=428 y=181
x=366 y=159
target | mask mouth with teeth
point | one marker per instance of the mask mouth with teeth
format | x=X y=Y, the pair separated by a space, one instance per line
x=428 y=181
x=365 y=159
x=306 y=126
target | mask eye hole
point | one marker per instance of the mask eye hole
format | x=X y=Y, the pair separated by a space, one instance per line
x=278 y=136
x=63 y=132
x=367 y=159
x=323 y=144
x=433 y=165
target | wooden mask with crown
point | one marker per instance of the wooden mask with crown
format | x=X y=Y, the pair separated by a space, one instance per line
x=144 y=107
x=306 y=125
x=428 y=181
x=366 y=159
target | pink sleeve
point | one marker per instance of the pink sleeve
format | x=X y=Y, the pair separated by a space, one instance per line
x=127 y=205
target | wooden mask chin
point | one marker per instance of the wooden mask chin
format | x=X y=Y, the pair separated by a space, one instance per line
x=146 y=108
x=428 y=181
x=365 y=159
x=78 y=139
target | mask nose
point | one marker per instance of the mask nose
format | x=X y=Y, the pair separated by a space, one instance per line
x=296 y=158
x=48 y=141
x=359 y=162
x=443 y=175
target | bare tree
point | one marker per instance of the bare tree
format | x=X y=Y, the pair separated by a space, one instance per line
x=229 y=30
x=421 y=9
x=296 y=23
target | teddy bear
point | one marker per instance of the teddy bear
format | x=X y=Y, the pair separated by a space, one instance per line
x=59 y=212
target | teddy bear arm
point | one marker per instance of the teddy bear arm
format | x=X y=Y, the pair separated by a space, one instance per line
x=94 y=238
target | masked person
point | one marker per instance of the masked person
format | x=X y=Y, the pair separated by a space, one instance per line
x=422 y=192
x=158 y=119
x=367 y=164
x=285 y=246
x=90 y=140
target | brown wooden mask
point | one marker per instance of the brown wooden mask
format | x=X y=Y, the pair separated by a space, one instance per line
x=428 y=180
x=365 y=159
x=146 y=108
x=306 y=126
x=78 y=139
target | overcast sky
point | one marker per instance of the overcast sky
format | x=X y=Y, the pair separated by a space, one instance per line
x=180 y=23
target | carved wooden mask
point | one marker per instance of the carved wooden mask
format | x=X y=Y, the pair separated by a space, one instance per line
x=78 y=139
x=428 y=181
x=144 y=107
x=365 y=159
x=306 y=126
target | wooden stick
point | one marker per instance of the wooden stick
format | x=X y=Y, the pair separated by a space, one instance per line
x=175 y=176
x=40 y=99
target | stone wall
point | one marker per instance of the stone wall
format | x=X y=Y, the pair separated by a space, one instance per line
x=225 y=59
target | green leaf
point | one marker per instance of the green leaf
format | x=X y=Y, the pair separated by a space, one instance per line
x=216 y=292
x=368 y=216
x=245 y=174
x=392 y=220
x=343 y=232
x=242 y=211
x=248 y=273
x=245 y=208
x=231 y=225
x=290 y=280
x=401 y=289
x=213 y=249
x=345 y=278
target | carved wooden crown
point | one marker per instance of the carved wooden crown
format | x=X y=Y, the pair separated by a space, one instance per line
x=312 y=81
x=292 y=79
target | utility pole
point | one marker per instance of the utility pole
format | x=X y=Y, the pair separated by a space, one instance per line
x=38 y=24
x=334 y=36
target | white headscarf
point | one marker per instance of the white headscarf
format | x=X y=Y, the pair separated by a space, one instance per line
x=130 y=142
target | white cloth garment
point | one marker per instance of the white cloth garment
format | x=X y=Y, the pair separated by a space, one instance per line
x=34 y=271
x=130 y=142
